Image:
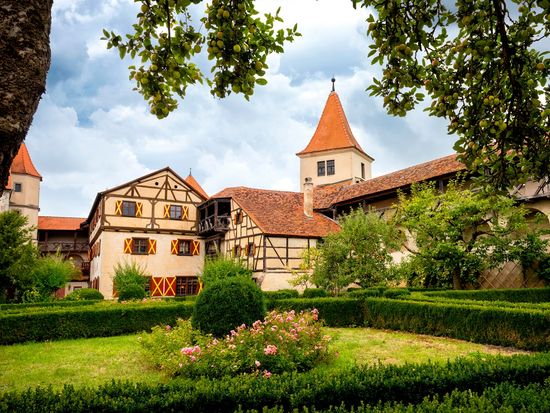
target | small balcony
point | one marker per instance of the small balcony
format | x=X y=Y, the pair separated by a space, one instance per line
x=62 y=246
x=214 y=217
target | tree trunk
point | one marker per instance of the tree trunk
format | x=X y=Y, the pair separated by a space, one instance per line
x=457 y=282
x=24 y=63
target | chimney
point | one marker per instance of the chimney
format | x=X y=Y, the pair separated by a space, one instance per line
x=308 y=197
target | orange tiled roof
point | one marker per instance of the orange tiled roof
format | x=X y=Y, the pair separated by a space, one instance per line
x=192 y=182
x=333 y=131
x=22 y=163
x=59 y=223
x=9 y=184
x=326 y=196
x=279 y=213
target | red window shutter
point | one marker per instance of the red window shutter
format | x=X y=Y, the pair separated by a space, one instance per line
x=185 y=212
x=139 y=209
x=156 y=286
x=128 y=246
x=196 y=247
x=174 y=247
x=152 y=246
x=167 y=211
x=169 y=287
x=118 y=208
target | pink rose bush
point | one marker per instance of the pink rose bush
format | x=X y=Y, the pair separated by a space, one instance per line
x=282 y=342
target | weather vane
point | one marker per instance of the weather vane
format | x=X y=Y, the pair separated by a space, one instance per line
x=333 y=80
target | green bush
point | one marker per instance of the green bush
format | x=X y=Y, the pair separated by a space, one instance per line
x=45 y=305
x=50 y=273
x=363 y=293
x=530 y=295
x=521 y=328
x=89 y=321
x=318 y=389
x=335 y=312
x=128 y=275
x=226 y=304
x=131 y=292
x=281 y=294
x=84 y=294
x=396 y=293
x=508 y=304
x=221 y=267
x=315 y=293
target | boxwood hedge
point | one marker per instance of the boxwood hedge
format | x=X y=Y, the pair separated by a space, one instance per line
x=318 y=389
x=531 y=295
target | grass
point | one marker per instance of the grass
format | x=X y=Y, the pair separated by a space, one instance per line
x=98 y=360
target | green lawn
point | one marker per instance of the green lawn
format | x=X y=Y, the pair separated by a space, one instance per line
x=98 y=360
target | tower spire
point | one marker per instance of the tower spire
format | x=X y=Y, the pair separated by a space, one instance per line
x=333 y=80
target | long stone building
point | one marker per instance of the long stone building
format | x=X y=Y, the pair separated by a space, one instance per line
x=168 y=224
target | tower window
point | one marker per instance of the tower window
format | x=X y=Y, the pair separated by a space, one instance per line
x=321 y=168
x=362 y=170
x=331 y=170
x=18 y=187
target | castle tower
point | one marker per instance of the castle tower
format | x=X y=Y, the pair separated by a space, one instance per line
x=25 y=187
x=333 y=154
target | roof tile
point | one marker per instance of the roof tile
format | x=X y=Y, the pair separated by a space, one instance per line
x=279 y=213
x=333 y=130
x=59 y=223
x=22 y=163
x=192 y=182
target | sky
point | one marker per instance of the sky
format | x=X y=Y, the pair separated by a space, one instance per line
x=92 y=131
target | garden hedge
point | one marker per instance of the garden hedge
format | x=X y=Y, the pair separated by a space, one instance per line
x=505 y=397
x=48 y=304
x=318 y=389
x=82 y=322
x=335 y=312
x=476 y=303
x=530 y=295
x=522 y=328
x=281 y=294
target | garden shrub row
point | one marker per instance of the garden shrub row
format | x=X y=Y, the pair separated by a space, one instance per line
x=318 y=389
x=335 y=312
x=82 y=322
x=507 y=304
x=530 y=295
x=47 y=304
x=281 y=294
x=505 y=397
x=521 y=328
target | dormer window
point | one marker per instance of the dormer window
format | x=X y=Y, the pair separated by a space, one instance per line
x=331 y=170
x=321 y=168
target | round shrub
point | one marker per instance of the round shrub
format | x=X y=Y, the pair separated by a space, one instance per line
x=84 y=294
x=131 y=292
x=226 y=304
x=315 y=293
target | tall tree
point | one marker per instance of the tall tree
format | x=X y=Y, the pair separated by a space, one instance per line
x=24 y=63
x=455 y=235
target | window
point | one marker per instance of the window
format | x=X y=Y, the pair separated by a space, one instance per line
x=18 y=187
x=237 y=251
x=321 y=168
x=250 y=249
x=187 y=286
x=330 y=167
x=239 y=217
x=175 y=211
x=184 y=247
x=140 y=245
x=362 y=170
x=128 y=209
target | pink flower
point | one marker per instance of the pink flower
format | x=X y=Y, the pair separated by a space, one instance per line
x=257 y=363
x=270 y=350
x=273 y=328
x=168 y=328
x=192 y=358
x=267 y=374
x=315 y=313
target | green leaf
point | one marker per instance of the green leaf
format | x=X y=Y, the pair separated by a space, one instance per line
x=261 y=81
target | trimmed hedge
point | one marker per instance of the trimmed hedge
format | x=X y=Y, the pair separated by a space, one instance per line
x=364 y=293
x=335 y=312
x=314 y=390
x=507 y=304
x=281 y=294
x=101 y=321
x=47 y=304
x=522 y=328
x=315 y=293
x=396 y=293
x=519 y=295
x=505 y=397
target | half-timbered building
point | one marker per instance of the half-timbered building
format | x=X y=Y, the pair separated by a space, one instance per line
x=152 y=222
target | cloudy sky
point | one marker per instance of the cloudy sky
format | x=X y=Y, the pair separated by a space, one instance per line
x=92 y=132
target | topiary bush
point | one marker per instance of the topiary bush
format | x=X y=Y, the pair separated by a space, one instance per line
x=226 y=304
x=84 y=294
x=315 y=293
x=131 y=292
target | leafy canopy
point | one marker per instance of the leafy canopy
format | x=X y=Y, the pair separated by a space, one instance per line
x=476 y=60
x=455 y=235
x=169 y=36
x=479 y=64
x=359 y=252
x=221 y=267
